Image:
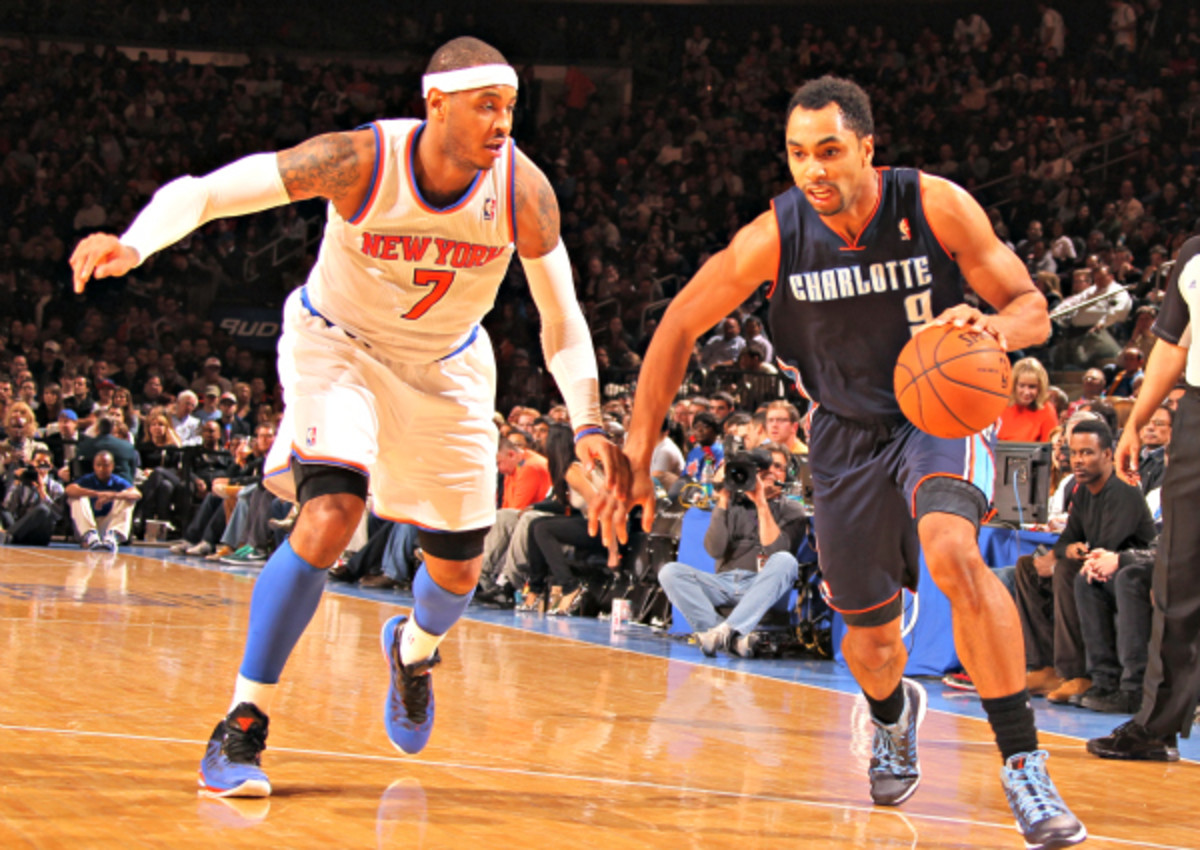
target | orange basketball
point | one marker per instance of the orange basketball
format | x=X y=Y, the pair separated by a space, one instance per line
x=952 y=382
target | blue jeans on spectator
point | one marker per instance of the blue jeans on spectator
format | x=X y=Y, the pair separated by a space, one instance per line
x=399 y=558
x=698 y=594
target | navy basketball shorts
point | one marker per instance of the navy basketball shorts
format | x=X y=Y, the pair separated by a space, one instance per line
x=871 y=485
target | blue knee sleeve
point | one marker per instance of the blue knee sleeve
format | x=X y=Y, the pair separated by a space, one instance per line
x=285 y=598
x=436 y=609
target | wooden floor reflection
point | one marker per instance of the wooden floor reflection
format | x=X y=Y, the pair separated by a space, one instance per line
x=117 y=668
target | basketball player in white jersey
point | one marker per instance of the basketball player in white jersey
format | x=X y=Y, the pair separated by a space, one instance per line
x=387 y=374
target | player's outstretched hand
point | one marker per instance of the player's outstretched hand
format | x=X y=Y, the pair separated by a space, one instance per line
x=966 y=316
x=101 y=255
x=1125 y=460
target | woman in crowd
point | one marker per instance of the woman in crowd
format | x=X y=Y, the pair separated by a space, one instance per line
x=51 y=406
x=16 y=450
x=161 y=474
x=1028 y=418
x=122 y=400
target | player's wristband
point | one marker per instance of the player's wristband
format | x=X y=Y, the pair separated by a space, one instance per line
x=588 y=431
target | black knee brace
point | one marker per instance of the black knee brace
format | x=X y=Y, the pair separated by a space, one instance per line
x=322 y=479
x=453 y=545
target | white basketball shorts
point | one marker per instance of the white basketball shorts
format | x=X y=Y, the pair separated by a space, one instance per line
x=422 y=432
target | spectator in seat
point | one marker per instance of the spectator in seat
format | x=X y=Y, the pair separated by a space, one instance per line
x=526 y=475
x=783 y=426
x=706 y=449
x=18 y=446
x=666 y=464
x=52 y=404
x=1156 y=437
x=1129 y=375
x=1106 y=513
x=208 y=409
x=33 y=505
x=102 y=505
x=1028 y=418
x=211 y=458
x=210 y=375
x=64 y=442
x=80 y=400
x=112 y=437
x=1093 y=390
x=183 y=422
x=161 y=459
x=753 y=538
x=722 y=350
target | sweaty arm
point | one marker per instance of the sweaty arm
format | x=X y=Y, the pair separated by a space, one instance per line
x=566 y=340
x=994 y=272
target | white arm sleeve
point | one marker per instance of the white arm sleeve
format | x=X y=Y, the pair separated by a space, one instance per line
x=246 y=186
x=566 y=340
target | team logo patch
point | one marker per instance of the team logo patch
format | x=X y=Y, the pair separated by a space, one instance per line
x=905 y=231
x=310 y=439
x=489 y=209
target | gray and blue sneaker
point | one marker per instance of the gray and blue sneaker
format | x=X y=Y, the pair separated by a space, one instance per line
x=1043 y=819
x=408 y=712
x=895 y=770
x=232 y=765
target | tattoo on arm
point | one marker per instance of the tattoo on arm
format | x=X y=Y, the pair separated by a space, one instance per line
x=537 y=212
x=326 y=167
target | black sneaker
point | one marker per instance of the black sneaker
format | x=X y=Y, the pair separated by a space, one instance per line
x=232 y=762
x=1043 y=819
x=895 y=770
x=1113 y=701
x=1133 y=742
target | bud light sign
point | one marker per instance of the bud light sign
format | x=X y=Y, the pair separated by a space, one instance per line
x=250 y=327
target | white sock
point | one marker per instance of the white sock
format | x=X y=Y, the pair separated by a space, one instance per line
x=416 y=644
x=250 y=691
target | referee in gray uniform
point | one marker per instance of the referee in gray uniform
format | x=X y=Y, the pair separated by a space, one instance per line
x=1173 y=675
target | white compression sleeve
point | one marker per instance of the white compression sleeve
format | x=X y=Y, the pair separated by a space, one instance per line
x=246 y=186
x=566 y=340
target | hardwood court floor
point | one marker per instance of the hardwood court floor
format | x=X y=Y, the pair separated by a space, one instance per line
x=117 y=668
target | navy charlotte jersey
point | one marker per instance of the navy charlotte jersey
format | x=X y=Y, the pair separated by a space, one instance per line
x=841 y=312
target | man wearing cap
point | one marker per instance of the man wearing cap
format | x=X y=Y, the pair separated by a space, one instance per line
x=387 y=376
x=210 y=375
x=208 y=410
x=64 y=443
x=231 y=424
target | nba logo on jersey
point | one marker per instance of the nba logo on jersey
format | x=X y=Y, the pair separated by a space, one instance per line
x=310 y=438
x=489 y=209
x=905 y=231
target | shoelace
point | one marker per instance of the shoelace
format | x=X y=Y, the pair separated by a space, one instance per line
x=893 y=750
x=245 y=747
x=1036 y=797
x=414 y=685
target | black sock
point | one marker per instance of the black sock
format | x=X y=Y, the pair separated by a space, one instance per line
x=887 y=711
x=1012 y=723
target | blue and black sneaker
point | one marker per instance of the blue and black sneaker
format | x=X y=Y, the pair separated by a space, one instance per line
x=1042 y=817
x=232 y=762
x=895 y=770
x=408 y=713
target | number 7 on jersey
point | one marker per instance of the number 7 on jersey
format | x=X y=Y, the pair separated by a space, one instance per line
x=439 y=280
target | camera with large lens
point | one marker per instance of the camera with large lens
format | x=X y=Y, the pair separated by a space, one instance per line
x=742 y=467
x=28 y=475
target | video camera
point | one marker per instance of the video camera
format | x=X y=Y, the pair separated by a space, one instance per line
x=742 y=467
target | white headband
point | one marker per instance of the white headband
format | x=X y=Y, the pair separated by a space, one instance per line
x=464 y=79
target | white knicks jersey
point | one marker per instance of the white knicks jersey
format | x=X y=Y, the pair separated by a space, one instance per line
x=409 y=279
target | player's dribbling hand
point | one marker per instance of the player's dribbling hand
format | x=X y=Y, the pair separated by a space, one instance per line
x=966 y=316
x=100 y=255
x=597 y=451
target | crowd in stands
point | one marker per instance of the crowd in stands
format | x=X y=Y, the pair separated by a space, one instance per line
x=129 y=404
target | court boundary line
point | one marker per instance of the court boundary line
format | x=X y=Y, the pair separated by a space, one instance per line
x=596 y=780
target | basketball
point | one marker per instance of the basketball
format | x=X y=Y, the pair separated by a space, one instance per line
x=952 y=382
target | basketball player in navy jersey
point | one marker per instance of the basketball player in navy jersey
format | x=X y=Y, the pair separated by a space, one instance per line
x=859 y=260
x=386 y=373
